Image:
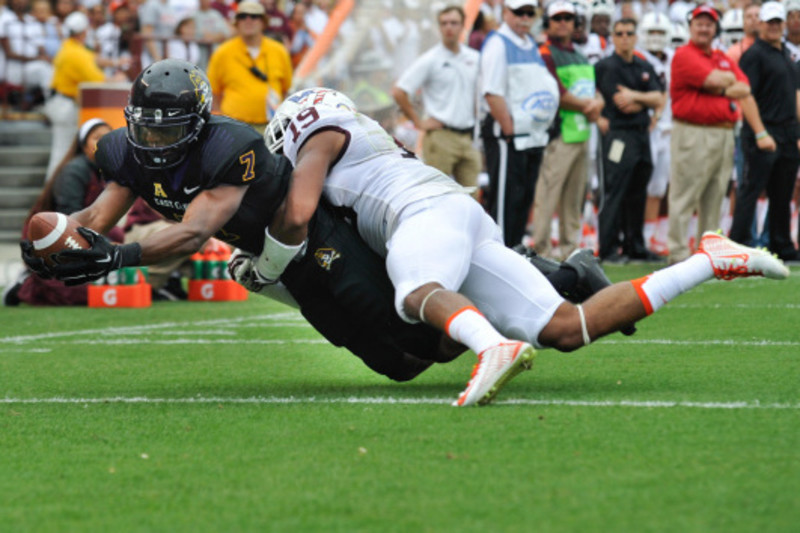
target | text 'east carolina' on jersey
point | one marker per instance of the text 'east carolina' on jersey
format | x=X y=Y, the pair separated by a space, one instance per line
x=374 y=175
x=227 y=152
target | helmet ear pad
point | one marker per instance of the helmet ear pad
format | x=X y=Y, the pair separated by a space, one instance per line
x=169 y=103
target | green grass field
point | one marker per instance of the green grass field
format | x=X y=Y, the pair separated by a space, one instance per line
x=238 y=417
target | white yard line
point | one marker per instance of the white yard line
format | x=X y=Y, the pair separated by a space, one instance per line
x=389 y=400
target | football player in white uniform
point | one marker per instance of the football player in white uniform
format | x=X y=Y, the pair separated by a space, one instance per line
x=792 y=39
x=444 y=254
x=655 y=35
x=731 y=28
x=598 y=45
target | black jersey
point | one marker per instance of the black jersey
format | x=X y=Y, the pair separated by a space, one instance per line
x=227 y=152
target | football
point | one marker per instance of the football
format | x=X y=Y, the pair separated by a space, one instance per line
x=51 y=233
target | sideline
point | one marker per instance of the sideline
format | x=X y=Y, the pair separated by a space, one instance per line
x=352 y=400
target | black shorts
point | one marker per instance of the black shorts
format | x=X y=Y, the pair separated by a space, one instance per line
x=344 y=291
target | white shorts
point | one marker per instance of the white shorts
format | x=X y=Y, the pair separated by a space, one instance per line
x=451 y=240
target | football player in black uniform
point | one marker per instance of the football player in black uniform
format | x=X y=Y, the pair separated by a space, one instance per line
x=215 y=177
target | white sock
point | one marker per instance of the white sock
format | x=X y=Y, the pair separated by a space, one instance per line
x=648 y=231
x=664 y=285
x=469 y=327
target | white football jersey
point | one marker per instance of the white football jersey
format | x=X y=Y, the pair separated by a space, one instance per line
x=662 y=68
x=374 y=175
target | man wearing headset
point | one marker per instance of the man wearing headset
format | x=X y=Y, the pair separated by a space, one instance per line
x=707 y=90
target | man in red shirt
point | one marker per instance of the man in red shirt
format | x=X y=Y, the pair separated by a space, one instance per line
x=707 y=89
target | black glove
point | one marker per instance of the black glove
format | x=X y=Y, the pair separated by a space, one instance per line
x=82 y=266
x=36 y=264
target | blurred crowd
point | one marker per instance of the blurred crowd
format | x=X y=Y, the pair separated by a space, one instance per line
x=626 y=198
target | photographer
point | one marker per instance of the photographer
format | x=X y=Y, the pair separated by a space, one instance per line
x=250 y=73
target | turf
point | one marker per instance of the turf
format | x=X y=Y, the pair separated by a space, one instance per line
x=239 y=417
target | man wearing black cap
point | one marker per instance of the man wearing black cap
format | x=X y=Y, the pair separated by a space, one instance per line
x=774 y=81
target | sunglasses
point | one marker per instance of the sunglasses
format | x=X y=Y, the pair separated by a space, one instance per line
x=623 y=33
x=562 y=18
x=242 y=16
x=521 y=12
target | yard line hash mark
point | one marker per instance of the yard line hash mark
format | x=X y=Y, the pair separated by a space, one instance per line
x=273 y=400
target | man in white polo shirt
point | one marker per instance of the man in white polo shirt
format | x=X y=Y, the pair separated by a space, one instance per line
x=446 y=75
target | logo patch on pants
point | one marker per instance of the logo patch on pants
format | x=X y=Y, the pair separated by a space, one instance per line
x=325 y=257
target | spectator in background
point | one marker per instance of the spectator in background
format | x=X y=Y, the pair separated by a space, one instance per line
x=277 y=23
x=77 y=183
x=522 y=100
x=114 y=38
x=705 y=87
x=751 y=13
x=770 y=166
x=74 y=64
x=211 y=29
x=793 y=28
x=42 y=11
x=62 y=9
x=483 y=24
x=97 y=17
x=492 y=8
x=157 y=20
x=302 y=37
x=184 y=46
x=315 y=17
x=630 y=88
x=446 y=76
x=250 y=74
x=562 y=182
x=28 y=68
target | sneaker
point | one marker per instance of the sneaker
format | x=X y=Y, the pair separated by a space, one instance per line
x=11 y=295
x=496 y=366
x=172 y=291
x=11 y=292
x=732 y=260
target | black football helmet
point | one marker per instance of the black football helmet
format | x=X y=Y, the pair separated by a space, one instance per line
x=169 y=104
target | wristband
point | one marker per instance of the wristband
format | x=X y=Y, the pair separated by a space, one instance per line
x=762 y=134
x=130 y=254
x=276 y=256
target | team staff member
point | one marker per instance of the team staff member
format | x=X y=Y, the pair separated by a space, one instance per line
x=446 y=75
x=522 y=99
x=74 y=64
x=250 y=74
x=630 y=87
x=774 y=83
x=706 y=88
x=562 y=182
